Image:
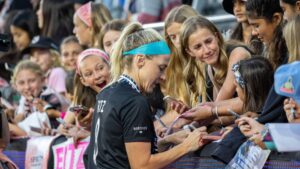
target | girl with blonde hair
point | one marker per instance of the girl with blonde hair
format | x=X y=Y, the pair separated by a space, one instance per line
x=175 y=85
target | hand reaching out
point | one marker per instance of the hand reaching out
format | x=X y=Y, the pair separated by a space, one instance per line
x=292 y=110
x=249 y=126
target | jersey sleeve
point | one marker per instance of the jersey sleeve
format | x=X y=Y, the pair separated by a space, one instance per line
x=137 y=121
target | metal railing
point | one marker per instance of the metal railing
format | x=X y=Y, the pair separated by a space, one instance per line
x=220 y=19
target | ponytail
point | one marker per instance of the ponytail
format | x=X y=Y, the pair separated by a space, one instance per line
x=132 y=37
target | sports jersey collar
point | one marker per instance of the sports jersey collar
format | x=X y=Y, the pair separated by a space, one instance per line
x=130 y=81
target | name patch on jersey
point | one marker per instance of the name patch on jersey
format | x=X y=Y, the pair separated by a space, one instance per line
x=100 y=107
x=140 y=129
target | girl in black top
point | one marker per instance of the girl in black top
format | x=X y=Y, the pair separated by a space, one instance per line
x=123 y=135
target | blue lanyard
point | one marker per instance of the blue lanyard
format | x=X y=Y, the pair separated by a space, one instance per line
x=130 y=81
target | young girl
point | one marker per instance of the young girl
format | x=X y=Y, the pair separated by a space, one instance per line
x=88 y=21
x=110 y=33
x=38 y=103
x=92 y=74
x=253 y=75
x=174 y=84
x=23 y=28
x=267 y=25
x=201 y=41
x=44 y=52
x=70 y=49
x=242 y=32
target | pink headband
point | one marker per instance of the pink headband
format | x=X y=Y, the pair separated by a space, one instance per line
x=88 y=52
x=85 y=13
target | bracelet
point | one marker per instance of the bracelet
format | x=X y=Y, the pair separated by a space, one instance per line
x=215 y=112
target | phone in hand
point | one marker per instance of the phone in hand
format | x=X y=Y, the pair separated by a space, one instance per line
x=79 y=109
x=36 y=129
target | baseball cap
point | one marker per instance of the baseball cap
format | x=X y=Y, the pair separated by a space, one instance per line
x=42 y=43
x=82 y=1
x=228 y=5
x=287 y=80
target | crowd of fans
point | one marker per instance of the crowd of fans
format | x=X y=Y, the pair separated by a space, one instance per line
x=144 y=99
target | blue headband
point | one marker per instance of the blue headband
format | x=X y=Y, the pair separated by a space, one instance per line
x=153 y=48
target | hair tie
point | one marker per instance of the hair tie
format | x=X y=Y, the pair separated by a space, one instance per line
x=85 y=13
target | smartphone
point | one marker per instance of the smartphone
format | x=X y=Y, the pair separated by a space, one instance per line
x=79 y=109
x=36 y=129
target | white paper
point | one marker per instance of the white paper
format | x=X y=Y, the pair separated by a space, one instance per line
x=249 y=156
x=285 y=136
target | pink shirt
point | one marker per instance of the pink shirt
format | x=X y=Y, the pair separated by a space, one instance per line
x=57 y=80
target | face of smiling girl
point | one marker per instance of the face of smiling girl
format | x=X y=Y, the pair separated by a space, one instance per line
x=203 y=45
x=94 y=72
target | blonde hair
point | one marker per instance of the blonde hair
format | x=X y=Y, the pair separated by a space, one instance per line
x=175 y=84
x=132 y=37
x=292 y=38
x=55 y=57
x=100 y=16
x=195 y=70
x=27 y=65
